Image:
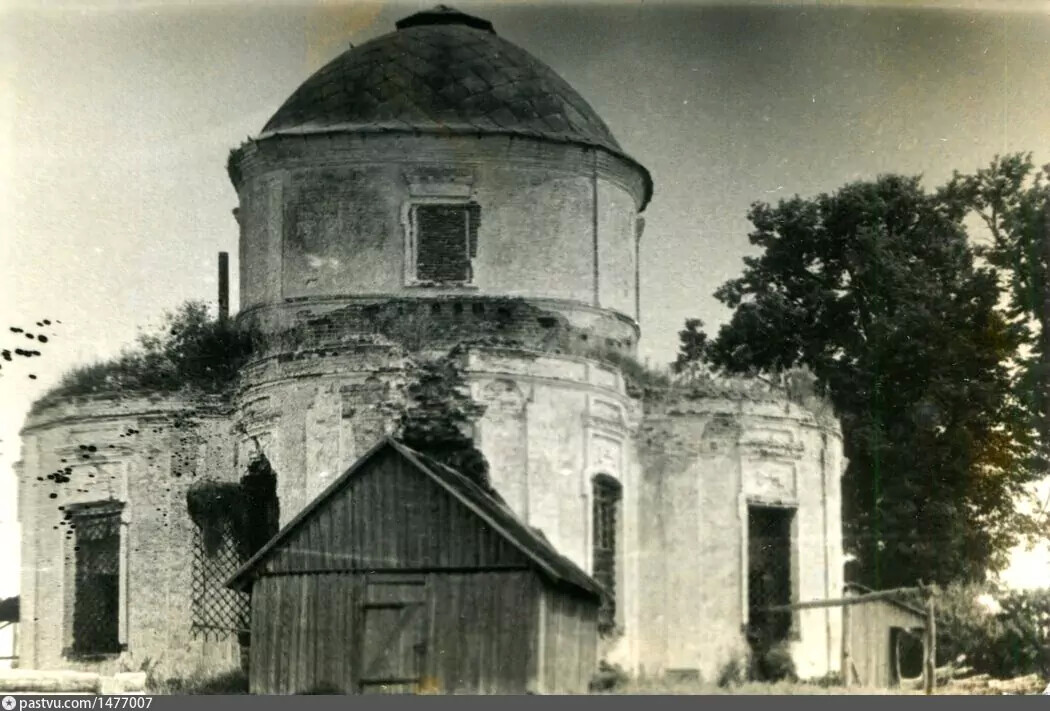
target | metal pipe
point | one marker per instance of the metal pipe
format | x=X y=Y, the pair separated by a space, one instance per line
x=224 y=286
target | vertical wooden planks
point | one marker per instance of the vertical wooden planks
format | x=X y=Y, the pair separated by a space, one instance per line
x=258 y=653
x=490 y=629
x=540 y=661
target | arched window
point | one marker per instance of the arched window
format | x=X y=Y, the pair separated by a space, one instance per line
x=605 y=517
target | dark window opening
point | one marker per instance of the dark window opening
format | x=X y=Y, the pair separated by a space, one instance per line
x=769 y=573
x=605 y=515
x=235 y=520
x=96 y=602
x=906 y=654
x=446 y=241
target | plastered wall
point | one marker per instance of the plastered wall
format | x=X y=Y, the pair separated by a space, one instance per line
x=703 y=462
x=326 y=216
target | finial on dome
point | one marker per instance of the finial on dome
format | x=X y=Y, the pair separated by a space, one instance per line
x=444 y=15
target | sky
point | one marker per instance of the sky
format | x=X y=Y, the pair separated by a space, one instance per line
x=116 y=119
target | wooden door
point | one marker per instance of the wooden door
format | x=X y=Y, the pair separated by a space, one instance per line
x=393 y=638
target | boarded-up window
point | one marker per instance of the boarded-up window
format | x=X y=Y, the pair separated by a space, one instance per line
x=96 y=602
x=605 y=515
x=445 y=239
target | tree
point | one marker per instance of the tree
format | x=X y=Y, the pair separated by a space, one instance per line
x=1012 y=199
x=875 y=290
x=693 y=344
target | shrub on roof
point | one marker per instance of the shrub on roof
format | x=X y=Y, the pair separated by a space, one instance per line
x=190 y=351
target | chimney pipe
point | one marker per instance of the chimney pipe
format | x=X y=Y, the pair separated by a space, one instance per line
x=224 y=286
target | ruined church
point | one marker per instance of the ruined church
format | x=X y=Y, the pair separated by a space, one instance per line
x=439 y=187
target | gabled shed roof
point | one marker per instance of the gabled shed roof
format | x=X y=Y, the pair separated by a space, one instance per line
x=487 y=506
x=898 y=603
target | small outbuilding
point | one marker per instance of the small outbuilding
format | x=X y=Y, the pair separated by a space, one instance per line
x=404 y=576
x=883 y=639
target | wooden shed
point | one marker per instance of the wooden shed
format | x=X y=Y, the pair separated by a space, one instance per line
x=882 y=639
x=404 y=576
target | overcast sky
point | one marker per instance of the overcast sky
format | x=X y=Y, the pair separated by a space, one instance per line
x=117 y=119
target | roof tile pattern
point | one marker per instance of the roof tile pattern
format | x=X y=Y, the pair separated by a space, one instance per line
x=450 y=77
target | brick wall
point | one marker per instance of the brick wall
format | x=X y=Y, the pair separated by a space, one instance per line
x=442 y=321
x=143 y=452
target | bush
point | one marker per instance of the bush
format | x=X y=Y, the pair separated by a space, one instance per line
x=190 y=351
x=1012 y=641
x=776 y=664
x=610 y=677
x=828 y=681
x=732 y=673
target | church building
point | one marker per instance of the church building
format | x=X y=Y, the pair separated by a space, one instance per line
x=438 y=188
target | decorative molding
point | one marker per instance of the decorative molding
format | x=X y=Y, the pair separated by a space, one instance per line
x=770 y=481
x=502 y=395
x=606 y=416
x=604 y=377
x=771 y=443
x=439 y=181
x=606 y=455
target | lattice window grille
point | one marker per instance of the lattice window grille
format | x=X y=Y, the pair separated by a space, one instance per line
x=605 y=515
x=218 y=611
x=96 y=602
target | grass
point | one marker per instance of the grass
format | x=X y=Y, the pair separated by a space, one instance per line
x=201 y=683
x=751 y=688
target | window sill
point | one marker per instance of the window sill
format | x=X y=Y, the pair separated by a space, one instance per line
x=463 y=286
x=90 y=657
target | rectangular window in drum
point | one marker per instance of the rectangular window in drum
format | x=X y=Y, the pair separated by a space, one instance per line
x=444 y=237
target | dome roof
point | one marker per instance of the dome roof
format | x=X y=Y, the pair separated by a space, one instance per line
x=442 y=71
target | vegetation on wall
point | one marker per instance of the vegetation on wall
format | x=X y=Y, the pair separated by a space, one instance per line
x=876 y=290
x=214 y=507
x=246 y=510
x=9 y=609
x=438 y=413
x=190 y=351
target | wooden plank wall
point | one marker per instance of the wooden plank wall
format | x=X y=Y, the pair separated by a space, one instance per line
x=392 y=517
x=300 y=625
x=869 y=631
x=483 y=631
x=570 y=657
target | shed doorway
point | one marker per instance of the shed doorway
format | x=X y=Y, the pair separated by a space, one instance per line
x=906 y=655
x=393 y=639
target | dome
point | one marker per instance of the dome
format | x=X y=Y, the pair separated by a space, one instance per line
x=442 y=71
